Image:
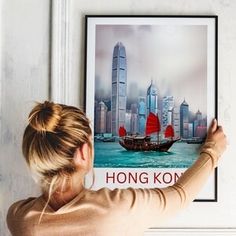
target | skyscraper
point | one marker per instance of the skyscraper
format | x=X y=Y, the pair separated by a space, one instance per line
x=197 y=122
x=128 y=121
x=184 y=119
x=101 y=115
x=201 y=131
x=195 y=125
x=199 y=116
x=152 y=99
x=134 y=118
x=108 y=122
x=167 y=106
x=141 y=115
x=176 y=121
x=190 y=130
x=134 y=123
x=119 y=87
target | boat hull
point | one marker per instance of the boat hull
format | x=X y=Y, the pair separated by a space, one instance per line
x=147 y=146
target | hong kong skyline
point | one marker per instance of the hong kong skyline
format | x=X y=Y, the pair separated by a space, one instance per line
x=195 y=121
x=115 y=113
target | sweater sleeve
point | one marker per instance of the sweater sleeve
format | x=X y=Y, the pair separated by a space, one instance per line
x=148 y=207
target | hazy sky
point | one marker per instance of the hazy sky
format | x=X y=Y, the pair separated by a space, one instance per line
x=175 y=57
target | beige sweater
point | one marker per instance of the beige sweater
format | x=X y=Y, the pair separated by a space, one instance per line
x=112 y=212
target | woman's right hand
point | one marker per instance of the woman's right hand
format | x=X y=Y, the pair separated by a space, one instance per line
x=216 y=136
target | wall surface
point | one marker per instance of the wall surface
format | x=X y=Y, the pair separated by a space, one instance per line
x=25 y=77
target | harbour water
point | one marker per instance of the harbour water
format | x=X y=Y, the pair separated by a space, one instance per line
x=112 y=155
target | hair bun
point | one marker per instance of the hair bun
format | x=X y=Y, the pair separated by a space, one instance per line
x=45 y=116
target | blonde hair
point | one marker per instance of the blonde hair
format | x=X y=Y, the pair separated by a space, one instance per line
x=50 y=140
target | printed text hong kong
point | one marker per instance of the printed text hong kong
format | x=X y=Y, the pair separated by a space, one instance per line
x=156 y=177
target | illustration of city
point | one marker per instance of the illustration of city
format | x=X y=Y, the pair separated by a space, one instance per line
x=145 y=129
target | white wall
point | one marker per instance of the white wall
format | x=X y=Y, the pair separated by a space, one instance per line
x=25 y=78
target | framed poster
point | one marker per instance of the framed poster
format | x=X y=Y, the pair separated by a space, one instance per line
x=151 y=92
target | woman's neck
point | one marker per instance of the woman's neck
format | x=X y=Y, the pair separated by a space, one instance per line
x=66 y=192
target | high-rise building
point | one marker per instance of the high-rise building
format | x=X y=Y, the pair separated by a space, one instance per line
x=134 y=123
x=201 y=131
x=197 y=122
x=195 y=125
x=152 y=99
x=141 y=115
x=170 y=116
x=128 y=121
x=176 y=121
x=101 y=115
x=134 y=108
x=167 y=106
x=119 y=87
x=190 y=130
x=198 y=116
x=204 y=122
x=134 y=119
x=108 y=122
x=184 y=119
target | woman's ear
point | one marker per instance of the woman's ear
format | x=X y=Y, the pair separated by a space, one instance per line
x=82 y=158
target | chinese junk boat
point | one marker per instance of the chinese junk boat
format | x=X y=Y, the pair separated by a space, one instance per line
x=144 y=143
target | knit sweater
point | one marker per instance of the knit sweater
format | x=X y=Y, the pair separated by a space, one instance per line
x=115 y=212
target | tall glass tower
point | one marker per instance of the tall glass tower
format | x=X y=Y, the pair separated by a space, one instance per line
x=119 y=87
x=176 y=121
x=167 y=107
x=141 y=115
x=101 y=113
x=184 y=119
x=152 y=99
x=199 y=117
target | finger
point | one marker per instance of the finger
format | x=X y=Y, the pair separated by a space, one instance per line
x=220 y=129
x=213 y=126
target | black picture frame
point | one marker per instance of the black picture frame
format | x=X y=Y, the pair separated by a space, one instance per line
x=86 y=68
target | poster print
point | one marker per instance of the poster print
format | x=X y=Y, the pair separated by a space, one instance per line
x=150 y=94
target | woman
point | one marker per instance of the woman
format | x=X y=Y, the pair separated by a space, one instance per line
x=57 y=147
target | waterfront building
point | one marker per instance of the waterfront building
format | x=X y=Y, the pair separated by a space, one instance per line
x=119 y=87
x=128 y=121
x=199 y=116
x=197 y=122
x=176 y=121
x=101 y=115
x=190 y=130
x=201 y=131
x=152 y=99
x=141 y=115
x=167 y=106
x=108 y=123
x=184 y=119
x=134 y=119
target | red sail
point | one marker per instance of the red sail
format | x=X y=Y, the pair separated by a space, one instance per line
x=169 y=133
x=153 y=124
x=122 y=131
